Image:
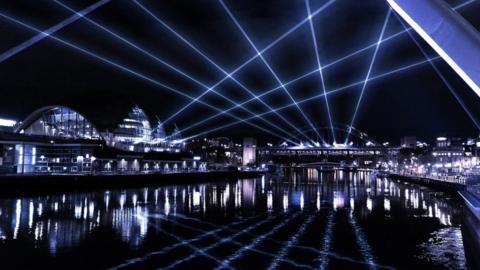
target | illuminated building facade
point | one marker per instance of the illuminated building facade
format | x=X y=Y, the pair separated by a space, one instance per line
x=135 y=133
x=58 y=122
x=60 y=140
x=451 y=155
x=221 y=150
x=249 y=151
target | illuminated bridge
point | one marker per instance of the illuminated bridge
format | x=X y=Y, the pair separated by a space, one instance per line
x=361 y=150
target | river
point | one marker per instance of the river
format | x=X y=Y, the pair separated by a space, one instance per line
x=306 y=220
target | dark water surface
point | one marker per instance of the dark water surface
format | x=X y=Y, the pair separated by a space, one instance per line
x=312 y=220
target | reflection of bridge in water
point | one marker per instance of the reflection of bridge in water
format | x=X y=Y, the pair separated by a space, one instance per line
x=340 y=213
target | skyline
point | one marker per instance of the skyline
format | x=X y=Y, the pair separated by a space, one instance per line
x=408 y=102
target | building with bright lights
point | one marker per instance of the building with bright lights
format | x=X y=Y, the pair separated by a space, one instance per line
x=451 y=155
x=60 y=140
x=220 y=150
x=135 y=133
x=249 y=151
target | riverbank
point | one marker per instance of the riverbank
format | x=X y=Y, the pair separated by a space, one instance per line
x=448 y=186
x=29 y=184
x=471 y=213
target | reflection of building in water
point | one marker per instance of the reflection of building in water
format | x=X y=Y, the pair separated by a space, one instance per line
x=64 y=221
x=248 y=193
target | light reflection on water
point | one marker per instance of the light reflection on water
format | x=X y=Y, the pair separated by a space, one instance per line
x=61 y=223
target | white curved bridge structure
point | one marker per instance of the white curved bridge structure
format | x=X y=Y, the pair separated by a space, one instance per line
x=447 y=32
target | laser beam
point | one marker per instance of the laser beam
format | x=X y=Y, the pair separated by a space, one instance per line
x=171 y=247
x=168 y=65
x=177 y=238
x=253 y=244
x=43 y=34
x=268 y=47
x=228 y=75
x=242 y=30
x=331 y=64
x=198 y=51
x=364 y=86
x=317 y=55
x=290 y=243
x=224 y=240
x=337 y=90
x=133 y=72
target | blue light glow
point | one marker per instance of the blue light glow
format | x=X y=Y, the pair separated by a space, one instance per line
x=327 y=242
x=317 y=55
x=372 y=62
x=43 y=34
x=170 y=66
x=290 y=243
x=362 y=242
x=137 y=74
x=268 y=47
x=337 y=90
x=253 y=244
x=228 y=75
x=271 y=70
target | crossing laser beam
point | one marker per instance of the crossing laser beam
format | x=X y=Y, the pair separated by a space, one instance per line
x=290 y=243
x=244 y=33
x=228 y=75
x=240 y=244
x=268 y=47
x=205 y=234
x=222 y=241
x=334 y=91
x=364 y=86
x=444 y=80
x=135 y=73
x=239 y=253
x=177 y=238
x=172 y=247
x=168 y=65
x=317 y=56
x=331 y=64
x=43 y=34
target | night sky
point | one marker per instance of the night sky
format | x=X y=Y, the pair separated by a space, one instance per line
x=411 y=102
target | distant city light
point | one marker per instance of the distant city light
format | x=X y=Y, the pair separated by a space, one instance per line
x=7 y=122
